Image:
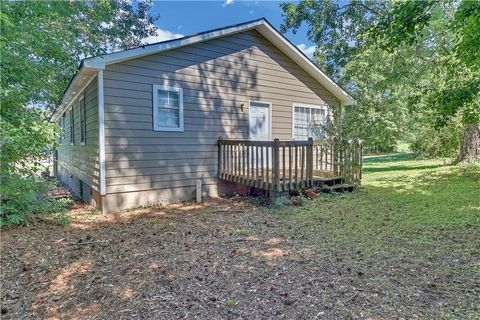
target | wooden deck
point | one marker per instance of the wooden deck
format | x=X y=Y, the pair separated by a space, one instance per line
x=289 y=165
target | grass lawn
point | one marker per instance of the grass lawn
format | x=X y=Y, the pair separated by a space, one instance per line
x=413 y=231
x=406 y=245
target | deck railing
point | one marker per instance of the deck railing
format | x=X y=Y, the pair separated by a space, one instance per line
x=288 y=165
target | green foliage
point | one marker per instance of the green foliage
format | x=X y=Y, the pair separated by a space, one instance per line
x=467 y=23
x=62 y=217
x=403 y=147
x=413 y=66
x=445 y=36
x=41 y=44
x=434 y=142
x=26 y=138
x=23 y=196
x=336 y=28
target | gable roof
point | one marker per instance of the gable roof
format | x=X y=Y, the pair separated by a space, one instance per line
x=89 y=66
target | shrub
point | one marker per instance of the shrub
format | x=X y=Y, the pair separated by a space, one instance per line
x=24 y=196
x=441 y=142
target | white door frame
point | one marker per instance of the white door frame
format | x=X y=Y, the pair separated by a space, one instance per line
x=269 y=117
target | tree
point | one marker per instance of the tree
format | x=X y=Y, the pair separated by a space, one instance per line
x=449 y=32
x=336 y=29
x=42 y=43
x=411 y=65
x=343 y=51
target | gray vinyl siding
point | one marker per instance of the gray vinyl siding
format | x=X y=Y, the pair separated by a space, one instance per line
x=218 y=78
x=81 y=159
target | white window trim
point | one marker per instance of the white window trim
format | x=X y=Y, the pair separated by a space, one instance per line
x=80 y=101
x=269 y=115
x=72 y=125
x=62 y=126
x=306 y=105
x=156 y=127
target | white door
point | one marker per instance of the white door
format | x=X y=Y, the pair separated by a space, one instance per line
x=259 y=121
x=259 y=129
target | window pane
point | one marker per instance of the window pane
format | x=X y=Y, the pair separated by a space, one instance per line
x=64 y=131
x=173 y=99
x=162 y=97
x=168 y=99
x=300 y=128
x=168 y=118
x=72 y=126
x=82 y=120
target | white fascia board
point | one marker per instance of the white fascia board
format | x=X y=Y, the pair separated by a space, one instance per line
x=78 y=84
x=102 y=61
x=83 y=77
x=101 y=133
x=293 y=53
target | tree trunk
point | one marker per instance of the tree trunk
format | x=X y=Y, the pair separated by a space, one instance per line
x=470 y=144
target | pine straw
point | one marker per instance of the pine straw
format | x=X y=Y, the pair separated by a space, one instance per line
x=224 y=259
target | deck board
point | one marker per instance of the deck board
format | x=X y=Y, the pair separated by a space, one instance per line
x=249 y=178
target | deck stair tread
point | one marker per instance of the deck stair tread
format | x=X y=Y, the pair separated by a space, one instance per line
x=338 y=188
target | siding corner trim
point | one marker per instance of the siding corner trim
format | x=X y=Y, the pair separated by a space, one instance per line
x=101 y=133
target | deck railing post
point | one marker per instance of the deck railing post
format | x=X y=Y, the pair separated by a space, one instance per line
x=276 y=165
x=309 y=162
x=219 y=174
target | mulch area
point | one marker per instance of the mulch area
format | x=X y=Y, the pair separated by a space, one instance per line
x=222 y=259
x=185 y=261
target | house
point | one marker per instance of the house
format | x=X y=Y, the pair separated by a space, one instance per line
x=141 y=126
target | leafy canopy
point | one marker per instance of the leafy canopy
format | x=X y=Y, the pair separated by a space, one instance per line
x=413 y=66
x=43 y=41
x=41 y=44
x=446 y=36
x=337 y=29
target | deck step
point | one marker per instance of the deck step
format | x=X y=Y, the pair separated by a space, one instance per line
x=338 y=188
x=328 y=181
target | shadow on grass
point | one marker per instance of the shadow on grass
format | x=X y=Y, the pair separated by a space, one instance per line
x=455 y=176
x=409 y=230
x=389 y=158
x=400 y=168
x=415 y=212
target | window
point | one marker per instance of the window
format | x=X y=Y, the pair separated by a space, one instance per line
x=62 y=126
x=83 y=125
x=167 y=108
x=72 y=126
x=309 y=122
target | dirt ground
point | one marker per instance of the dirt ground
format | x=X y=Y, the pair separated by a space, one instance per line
x=177 y=262
x=223 y=259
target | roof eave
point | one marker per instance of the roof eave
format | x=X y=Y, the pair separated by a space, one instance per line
x=90 y=66
x=292 y=51
x=82 y=78
x=102 y=61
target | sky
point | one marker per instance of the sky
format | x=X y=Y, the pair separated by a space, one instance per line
x=182 y=18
